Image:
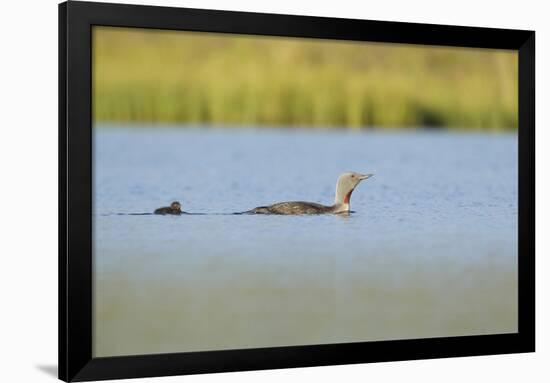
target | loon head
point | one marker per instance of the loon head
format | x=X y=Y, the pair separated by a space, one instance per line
x=345 y=185
x=175 y=205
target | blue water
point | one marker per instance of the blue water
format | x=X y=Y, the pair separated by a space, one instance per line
x=430 y=250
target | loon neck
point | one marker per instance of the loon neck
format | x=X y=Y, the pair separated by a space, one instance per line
x=341 y=204
x=340 y=208
x=342 y=197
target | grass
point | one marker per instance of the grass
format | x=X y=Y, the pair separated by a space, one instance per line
x=151 y=76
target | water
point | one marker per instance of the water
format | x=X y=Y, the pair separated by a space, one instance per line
x=430 y=250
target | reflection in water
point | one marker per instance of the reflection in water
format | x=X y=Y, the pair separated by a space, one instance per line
x=430 y=250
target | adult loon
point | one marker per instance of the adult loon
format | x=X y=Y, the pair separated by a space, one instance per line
x=344 y=187
x=174 y=209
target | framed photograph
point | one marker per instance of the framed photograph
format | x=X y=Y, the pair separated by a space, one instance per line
x=245 y=191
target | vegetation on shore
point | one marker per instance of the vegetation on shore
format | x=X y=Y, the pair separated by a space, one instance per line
x=151 y=76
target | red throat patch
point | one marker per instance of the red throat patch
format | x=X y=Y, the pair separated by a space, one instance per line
x=347 y=197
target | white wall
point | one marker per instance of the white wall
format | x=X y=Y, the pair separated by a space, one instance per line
x=28 y=195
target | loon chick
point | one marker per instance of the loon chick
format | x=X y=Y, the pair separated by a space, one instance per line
x=174 y=209
x=344 y=187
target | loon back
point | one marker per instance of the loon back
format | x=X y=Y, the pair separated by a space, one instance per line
x=293 y=208
x=167 y=211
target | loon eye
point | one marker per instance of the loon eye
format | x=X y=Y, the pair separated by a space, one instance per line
x=353 y=176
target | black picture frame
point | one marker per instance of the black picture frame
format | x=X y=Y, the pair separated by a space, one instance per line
x=75 y=193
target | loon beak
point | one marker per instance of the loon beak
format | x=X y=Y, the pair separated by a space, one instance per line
x=365 y=176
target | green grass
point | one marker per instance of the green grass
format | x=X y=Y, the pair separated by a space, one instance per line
x=151 y=76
